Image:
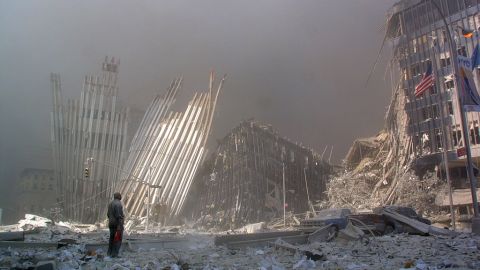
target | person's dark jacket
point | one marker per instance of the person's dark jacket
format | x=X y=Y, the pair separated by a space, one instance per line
x=115 y=214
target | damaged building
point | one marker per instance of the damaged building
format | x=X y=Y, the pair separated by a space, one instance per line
x=89 y=139
x=166 y=152
x=431 y=121
x=252 y=175
x=36 y=191
x=90 y=142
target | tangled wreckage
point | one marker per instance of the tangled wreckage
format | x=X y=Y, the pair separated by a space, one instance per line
x=89 y=139
x=256 y=175
x=348 y=241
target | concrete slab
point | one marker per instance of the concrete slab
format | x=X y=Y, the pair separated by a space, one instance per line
x=142 y=243
x=15 y=244
x=223 y=239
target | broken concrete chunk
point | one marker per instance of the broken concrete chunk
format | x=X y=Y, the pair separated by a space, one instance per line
x=253 y=228
x=350 y=233
x=305 y=263
x=46 y=265
x=417 y=225
x=323 y=234
x=12 y=236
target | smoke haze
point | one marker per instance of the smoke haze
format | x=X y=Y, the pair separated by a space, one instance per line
x=298 y=65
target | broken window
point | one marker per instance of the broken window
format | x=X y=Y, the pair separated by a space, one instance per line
x=414 y=46
x=457 y=137
x=462 y=51
x=445 y=62
x=401 y=51
x=424 y=39
x=474 y=133
x=425 y=142
x=449 y=84
x=416 y=140
x=435 y=111
x=415 y=69
x=426 y=113
x=405 y=74
x=438 y=138
x=450 y=108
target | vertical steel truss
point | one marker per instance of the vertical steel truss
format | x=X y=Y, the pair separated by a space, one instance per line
x=92 y=128
x=166 y=151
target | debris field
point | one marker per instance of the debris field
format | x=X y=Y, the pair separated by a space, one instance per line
x=79 y=246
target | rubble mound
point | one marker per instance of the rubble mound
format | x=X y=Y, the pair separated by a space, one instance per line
x=378 y=173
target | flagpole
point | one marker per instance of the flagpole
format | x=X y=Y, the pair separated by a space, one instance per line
x=444 y=140
x=463 y=117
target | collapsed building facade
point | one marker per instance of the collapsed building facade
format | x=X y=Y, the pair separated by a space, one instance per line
x=89 y=139
x=166 y=152
x=429 y=125
x=405 y=163
x=252 y=175
x=89 y=142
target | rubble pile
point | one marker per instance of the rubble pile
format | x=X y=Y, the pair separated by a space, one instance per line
x=380 y=171
x=367 y=188
x=401 y=251
x=351 y=247
x=389 y=168
x=38 y=229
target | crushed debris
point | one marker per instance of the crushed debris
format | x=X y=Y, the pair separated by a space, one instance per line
x=280 y=250
x=382 y=178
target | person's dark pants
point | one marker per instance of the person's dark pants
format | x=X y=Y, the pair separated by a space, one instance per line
x=114 y=246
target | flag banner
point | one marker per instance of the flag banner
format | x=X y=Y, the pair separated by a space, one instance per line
x=426 y=82
x=464 y=62
x=469 y=94
x=467 y=33
x=475 y=57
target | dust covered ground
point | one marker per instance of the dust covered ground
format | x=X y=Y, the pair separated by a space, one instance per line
x=197 y=251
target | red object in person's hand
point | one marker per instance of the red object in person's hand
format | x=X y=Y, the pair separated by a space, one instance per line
x=118 y=236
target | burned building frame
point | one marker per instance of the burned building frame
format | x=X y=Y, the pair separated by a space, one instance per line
x=253 y=174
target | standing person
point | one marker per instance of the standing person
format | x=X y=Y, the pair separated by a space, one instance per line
x=115 y=225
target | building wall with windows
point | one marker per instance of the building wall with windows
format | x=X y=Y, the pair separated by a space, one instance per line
x=242 y=181
x=418 y=37
x=36 y=192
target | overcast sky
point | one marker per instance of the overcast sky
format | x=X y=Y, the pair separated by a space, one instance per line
x=298 y=65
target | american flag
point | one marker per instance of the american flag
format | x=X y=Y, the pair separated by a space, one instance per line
x=427 y=81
